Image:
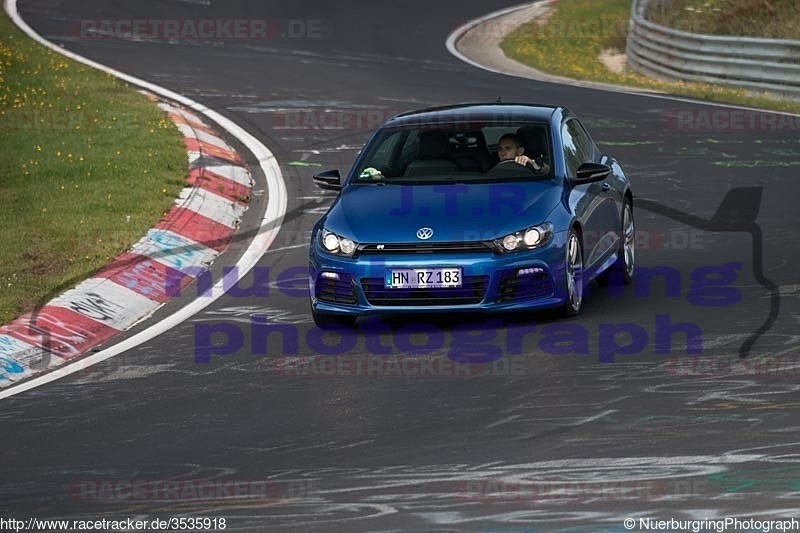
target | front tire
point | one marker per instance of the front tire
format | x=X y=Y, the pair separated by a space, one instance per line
x=573 y=274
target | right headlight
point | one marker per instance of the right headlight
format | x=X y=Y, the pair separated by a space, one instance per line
x=526 y=239
x=337 y=244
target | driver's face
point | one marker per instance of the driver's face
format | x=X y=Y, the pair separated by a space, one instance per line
x=508 y=150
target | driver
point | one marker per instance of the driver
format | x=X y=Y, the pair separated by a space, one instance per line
x=509 y=148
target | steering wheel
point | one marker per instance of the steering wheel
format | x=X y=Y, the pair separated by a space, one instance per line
x=504 y=165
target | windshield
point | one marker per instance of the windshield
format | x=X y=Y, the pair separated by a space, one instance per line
x=438 y=153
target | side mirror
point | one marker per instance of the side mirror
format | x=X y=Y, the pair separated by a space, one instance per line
x=589 y=172
x=329 y=180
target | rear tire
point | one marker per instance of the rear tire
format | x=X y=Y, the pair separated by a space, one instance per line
x=621 y=272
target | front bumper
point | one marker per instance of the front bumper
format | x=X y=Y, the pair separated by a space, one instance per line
x=524 y=280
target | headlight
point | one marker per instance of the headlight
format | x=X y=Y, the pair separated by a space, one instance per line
x=336 y=244
x=347 y=246
x=510 y=242
x=331 y=242
x=532 y=237
x=526 y=239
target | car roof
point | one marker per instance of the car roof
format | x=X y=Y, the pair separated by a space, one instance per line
x=476 y=113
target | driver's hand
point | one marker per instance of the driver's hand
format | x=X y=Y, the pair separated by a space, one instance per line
x=526 y=161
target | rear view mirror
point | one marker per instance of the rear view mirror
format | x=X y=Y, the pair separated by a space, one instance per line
x=589 y=172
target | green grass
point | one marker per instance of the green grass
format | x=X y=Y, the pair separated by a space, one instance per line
x=87 y=165
x=570 y=41
x=774 y=19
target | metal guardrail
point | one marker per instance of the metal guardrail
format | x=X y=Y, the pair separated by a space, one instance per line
x=771 y=65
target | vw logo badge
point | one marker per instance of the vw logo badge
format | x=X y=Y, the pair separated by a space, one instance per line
x=424 y=233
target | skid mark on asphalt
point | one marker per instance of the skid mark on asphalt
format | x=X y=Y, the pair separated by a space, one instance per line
x=244 y=314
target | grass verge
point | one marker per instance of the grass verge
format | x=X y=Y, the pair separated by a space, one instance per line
x=771 y=19
x=570 y=41
x=87 y=165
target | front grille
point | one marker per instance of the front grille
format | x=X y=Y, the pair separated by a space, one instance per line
x=426 y=248
x=336 y=290
x=527 y=287
x=471 y=292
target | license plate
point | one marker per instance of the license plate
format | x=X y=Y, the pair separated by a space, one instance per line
x=422 y=278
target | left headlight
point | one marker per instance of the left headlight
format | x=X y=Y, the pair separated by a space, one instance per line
x=336 y=244
x=526 y=239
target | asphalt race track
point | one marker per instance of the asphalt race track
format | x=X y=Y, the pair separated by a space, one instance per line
x=538 y=440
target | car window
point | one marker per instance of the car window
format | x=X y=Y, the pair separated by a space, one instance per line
x=389 y=153
x=422 y=153
x=578 y=146
x=584 y=139
x=492 y=134
x=410 y=148
x=386 y=151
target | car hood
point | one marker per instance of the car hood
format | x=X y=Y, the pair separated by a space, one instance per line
x=455 y=213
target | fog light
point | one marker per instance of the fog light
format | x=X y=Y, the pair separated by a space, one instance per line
x=329 y=275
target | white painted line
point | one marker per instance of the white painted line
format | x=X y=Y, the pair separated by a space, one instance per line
x=458 y=33
x=211 y=205
x=269 y=227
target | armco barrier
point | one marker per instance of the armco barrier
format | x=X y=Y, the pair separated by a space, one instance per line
x=771 y=65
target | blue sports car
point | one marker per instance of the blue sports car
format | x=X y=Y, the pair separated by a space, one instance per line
x=498 y=207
